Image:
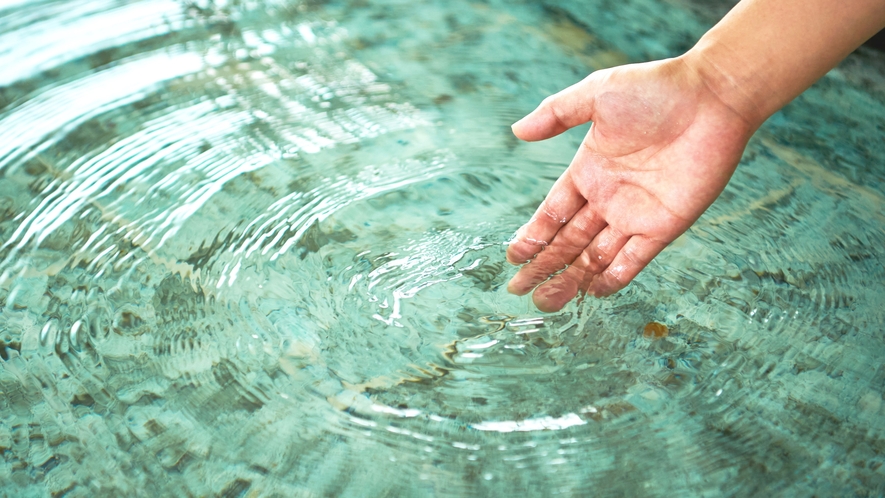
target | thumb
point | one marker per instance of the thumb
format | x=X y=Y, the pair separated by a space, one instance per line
x=559 y=112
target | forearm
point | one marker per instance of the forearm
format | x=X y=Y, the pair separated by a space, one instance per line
x=766 y=52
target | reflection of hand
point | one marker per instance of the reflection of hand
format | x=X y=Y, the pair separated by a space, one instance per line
x=661 y=149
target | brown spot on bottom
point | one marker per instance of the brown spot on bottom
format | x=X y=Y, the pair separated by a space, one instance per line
x=655 y=331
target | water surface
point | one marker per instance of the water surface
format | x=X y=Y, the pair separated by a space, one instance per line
x=257 y=249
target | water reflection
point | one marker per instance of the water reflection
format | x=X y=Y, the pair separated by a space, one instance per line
x=257 y=247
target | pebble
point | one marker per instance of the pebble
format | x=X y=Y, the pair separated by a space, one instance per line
x=655 y=331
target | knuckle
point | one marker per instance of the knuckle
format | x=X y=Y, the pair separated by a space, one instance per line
x=604 y=253
x=595 y=262
x=575 y=277
x=633 y=257
x=549 y=213
x=615 y=276
x=559 y=114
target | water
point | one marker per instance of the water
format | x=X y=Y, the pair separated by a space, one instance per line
x=257 y=249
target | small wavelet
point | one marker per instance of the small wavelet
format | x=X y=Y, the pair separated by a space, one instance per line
x=264 y=241
x=58 y=33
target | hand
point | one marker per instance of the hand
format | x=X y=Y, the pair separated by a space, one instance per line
x=661 y=149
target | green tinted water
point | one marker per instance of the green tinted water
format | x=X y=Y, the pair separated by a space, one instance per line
x=257 y=249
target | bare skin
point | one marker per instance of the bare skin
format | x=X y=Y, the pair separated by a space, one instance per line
x=661 y=149
x=666 y=138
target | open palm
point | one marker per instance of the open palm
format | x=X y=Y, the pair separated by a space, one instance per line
x=661 y=149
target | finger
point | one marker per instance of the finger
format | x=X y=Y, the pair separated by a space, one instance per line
x=596 y=258
x=636 y=254
x=558 y=208
x=559 y=112
x=569 y=243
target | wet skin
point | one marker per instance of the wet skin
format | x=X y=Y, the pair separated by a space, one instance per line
x=661 y=149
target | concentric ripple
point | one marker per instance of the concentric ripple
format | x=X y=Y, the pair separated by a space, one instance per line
x=257 y=249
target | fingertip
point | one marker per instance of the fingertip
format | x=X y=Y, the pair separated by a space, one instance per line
x=539 y=124
x=521 y=128
x=524 y=281
x=604 y=285
x=555 y=294
x=516 y=290
x=559 y=112
x=521 y=252
x=547 y=304
x=528 y=278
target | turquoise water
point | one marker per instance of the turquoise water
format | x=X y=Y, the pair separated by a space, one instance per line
x=257 y=249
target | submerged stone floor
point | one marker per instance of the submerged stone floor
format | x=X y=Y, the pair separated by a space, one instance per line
x=257 y=249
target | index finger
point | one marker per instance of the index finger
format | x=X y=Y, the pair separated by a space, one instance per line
x=560 y=205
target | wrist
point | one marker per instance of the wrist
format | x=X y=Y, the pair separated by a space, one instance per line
x=766 y=52
x=732 y=81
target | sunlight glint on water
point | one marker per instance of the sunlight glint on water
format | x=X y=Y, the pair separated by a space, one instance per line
x=257 y=248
